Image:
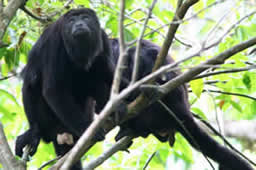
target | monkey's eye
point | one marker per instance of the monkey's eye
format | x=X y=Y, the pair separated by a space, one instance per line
x=71 y=20
x=84 y=17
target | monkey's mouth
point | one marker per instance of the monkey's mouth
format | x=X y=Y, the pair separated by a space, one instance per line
x=80 y=32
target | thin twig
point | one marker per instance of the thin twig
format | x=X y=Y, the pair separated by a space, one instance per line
x=138 y=47
x=211 y=82
x=119 y=145
x=218 y=117
x=219 y=59
x=46 y=18
x=185 y=129
x=183 y=43
x=229 y=30
x=223 y=138
x=231 y=93
x=216 y=26
x=233 y=70
x=127 y=16
x=135 y=107
x=122 y=55
x=49 y=162
x=7 y=77
x=134 y=22
x=43 y=19
x=149 y=160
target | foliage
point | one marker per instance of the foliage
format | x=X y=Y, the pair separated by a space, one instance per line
x=24 y=31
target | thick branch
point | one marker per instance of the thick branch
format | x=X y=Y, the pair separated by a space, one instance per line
x=141 y=102
x=180 y=13
x=85 y=140
x=7 y=14
x=171 y=32
x=7 y=159
x=219 y=59
x=135 y=107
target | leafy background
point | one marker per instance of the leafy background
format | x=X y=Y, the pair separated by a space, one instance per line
x=24 y=31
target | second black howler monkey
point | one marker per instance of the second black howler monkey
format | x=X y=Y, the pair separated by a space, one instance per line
x=156 y=120
x=62 y=77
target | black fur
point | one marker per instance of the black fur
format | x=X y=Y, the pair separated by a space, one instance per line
x=63 y=73
x=156 y=120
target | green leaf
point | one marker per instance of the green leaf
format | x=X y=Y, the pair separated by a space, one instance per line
x=182 y=149
x=197 y=86
x=4 y=69
x=236 y=105
x=247 y=81
x=128 y=3
x=209 y=2
x=112 y=23
x=128 y=35
x=253 y=108
x=199 y=112
x=5 y=112
x=9 y=96
x=198 y=6
x=81 y=2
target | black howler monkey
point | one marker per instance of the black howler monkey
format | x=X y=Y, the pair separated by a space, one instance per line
x=156 y=120
x=62 y=77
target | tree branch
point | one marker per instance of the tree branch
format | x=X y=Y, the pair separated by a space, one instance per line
x=233 y=70
x=119 y=145
x=43 y=19
x=48 y=163
x=239 y=129
x=6 y=15
x=184 y=128
x=138 y=47
x=229 y=30
x=219 y=59
x=231 y=93
x=46 y=18
x=149 y=160
x=180 y=13
x=7 y=77
x=7 y=159
x=135 y=108
x=224 y=139
x=122 y=56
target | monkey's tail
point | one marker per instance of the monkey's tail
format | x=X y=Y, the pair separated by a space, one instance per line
x=199 y=139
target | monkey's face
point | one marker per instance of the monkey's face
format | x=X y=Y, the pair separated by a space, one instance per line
x=82 y=36
x=82 y=26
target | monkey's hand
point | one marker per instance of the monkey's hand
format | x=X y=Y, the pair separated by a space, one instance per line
x=152 y=91
x=29 y=138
